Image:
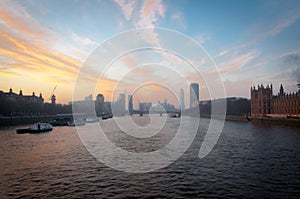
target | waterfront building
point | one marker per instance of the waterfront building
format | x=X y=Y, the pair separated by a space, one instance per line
x=130 y=104
x=18 y=104
x=145 y=106
x=181 y=99
x=89 y=106
x=107 y=108
x=194 y=95
x=264 y=103
x=166 y=106
x=99 y=104
x=118 y=107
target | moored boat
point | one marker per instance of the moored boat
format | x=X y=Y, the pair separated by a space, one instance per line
x=76 y=123
x=91 y=120
x=172 y=115
x=105 y=117
x=36 y=128
x=40 y=127
x=22 y=131
x=60 y=121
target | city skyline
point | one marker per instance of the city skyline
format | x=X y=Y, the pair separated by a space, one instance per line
x=251 y=42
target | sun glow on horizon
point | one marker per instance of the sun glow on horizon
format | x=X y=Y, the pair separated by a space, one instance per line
x=42 y=46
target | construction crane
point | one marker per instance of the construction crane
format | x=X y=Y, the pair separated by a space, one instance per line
x=52 y=92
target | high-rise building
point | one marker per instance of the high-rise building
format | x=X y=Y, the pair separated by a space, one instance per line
x=99 y=104
x=181 y=99
x=121 y=100
x=130 y=104
x=194 y=95
x=118 y=107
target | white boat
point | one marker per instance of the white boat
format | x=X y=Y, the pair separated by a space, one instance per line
x=36 y=128
x=76 y=123
x=91 y=120
x=40 y=127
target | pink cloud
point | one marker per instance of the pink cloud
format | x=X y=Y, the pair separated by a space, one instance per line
x=264 y=33
x=150 y=12
x=235 y=62
x=15 y=16
x=82 y=40
x=127 y=7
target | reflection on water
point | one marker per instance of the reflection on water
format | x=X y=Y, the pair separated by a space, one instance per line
x=248 y=160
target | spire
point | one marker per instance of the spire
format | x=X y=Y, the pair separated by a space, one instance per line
x=281 y=91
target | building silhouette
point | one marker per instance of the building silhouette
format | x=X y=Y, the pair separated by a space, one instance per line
x=89 y=106
x=264 y=103
x=18 y=104
x=194 y=95
x=99 y=104
x=181 y=99
x=130 y=104
x=53 y=99
x=234 y=106
x=118 y=107
x=145 y=106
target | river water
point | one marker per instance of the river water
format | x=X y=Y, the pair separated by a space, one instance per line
x=249 y=160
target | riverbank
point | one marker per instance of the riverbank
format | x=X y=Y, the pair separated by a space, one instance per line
x=277 y=120
x=260 y=120
x=11 y=121
x=264 y=120
x=238 y=118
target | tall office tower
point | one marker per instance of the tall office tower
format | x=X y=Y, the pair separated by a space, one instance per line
x=121 y=101
x=130 y=104
x=181 y=99
x=99 y=104
x=194 y=95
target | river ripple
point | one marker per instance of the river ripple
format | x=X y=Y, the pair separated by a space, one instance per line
x=248 y=161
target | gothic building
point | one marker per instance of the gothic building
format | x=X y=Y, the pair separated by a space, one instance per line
x=263 y=102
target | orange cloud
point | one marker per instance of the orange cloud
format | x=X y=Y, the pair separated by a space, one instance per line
x=15 y=16
x=8 y=74
x=26 y=54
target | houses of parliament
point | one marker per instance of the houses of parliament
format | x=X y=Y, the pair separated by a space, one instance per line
x=264 y=103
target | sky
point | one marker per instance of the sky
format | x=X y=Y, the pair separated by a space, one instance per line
x=45 y=43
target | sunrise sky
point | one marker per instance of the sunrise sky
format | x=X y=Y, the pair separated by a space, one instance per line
x=44 y=43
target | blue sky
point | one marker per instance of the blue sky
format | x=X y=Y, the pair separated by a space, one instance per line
x=44 y=43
